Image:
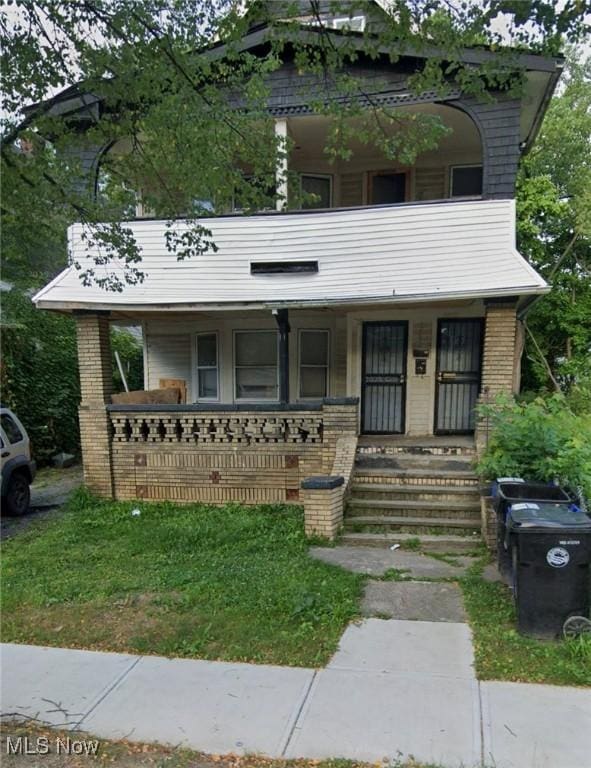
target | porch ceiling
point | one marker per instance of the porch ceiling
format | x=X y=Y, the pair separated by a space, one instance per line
x=377 y=255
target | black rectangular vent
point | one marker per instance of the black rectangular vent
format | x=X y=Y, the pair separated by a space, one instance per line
x=282 y=267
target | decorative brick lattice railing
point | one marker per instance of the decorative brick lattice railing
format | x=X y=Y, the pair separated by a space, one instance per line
x=223 y=453
x=235 y=429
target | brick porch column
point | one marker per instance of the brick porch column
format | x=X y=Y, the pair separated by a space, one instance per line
x=498 y=358
x=96 y=386
x=323 y=505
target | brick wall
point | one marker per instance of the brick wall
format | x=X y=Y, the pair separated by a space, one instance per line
x=96 y=386
x=323 y=509
x=498 y=360
x=219 y=456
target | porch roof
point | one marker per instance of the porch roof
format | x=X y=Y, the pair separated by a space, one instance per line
x=380 y=255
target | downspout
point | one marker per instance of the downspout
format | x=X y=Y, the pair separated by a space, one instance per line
x=281 y=317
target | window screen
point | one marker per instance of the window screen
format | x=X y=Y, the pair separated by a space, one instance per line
x=466 y=181
x=320 y=187
x=207 y=366
x=255 y=362
x=388 y=188
x=313 y=364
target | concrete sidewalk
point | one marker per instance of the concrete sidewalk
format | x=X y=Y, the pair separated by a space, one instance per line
x=393 y=689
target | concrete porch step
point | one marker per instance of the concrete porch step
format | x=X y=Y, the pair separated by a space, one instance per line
x=447 y=544
x=390 y=504
x=407 y=463
x=397 y=476
x=418 y=525
x=419 y=492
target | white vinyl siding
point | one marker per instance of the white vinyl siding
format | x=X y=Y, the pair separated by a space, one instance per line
x=168 y=357
x=390 y=254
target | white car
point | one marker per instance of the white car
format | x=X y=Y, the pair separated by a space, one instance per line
x=18 y=469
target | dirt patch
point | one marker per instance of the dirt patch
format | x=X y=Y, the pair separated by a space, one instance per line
x=50 y=491
x=126 y=625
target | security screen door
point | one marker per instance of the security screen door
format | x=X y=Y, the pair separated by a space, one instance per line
x=383 y=377
x=459 y=352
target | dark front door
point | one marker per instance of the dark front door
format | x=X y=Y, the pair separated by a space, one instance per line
x=383 y=377
x=459 y=352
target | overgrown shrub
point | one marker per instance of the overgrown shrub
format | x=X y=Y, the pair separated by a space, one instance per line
x=39 y=374
x=539 y=440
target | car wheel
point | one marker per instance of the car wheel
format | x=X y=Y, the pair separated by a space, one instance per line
x=18 y=495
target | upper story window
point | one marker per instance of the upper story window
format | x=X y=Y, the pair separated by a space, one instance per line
x=255 y=365
x=207 y=366
x=320 y=186
x=387 y=187
x=263 y=195
x=351 y=23
x=466 y=181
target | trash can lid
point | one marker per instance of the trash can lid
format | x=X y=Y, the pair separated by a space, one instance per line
x=534 y=514
x=540 y=492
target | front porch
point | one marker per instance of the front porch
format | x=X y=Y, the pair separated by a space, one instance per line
x=245 y=433
x=297 y=334
x=416 y=371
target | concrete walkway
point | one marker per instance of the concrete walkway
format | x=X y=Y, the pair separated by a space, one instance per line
x=394 y=688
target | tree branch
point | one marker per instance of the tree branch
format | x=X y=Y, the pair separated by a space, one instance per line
x=545 y=363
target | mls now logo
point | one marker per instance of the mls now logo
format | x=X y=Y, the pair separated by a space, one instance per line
x=23 y=745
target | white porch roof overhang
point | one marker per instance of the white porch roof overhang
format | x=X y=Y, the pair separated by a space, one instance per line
x=382 y=255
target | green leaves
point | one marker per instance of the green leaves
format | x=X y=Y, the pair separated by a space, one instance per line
x=554 y=231
x=538 y=440
x=40 y=374
x=177 y=112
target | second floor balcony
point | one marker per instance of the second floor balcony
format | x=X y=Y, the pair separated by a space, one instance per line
x=461 y=166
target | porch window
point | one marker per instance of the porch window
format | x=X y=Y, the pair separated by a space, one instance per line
x=321 y=187
x=207 y=366
x=313 y=364
x=466 y=181
x=255 y=365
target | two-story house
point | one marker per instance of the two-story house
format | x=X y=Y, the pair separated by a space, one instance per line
x=367 y=325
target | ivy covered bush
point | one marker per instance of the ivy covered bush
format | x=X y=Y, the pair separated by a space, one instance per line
x=545 y=439
x=39 y=374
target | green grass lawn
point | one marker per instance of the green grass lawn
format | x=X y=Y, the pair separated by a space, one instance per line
x=229 y=583
x=504 y=654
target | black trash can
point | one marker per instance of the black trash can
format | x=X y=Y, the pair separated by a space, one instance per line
x=508 y=491
x=551 y=559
